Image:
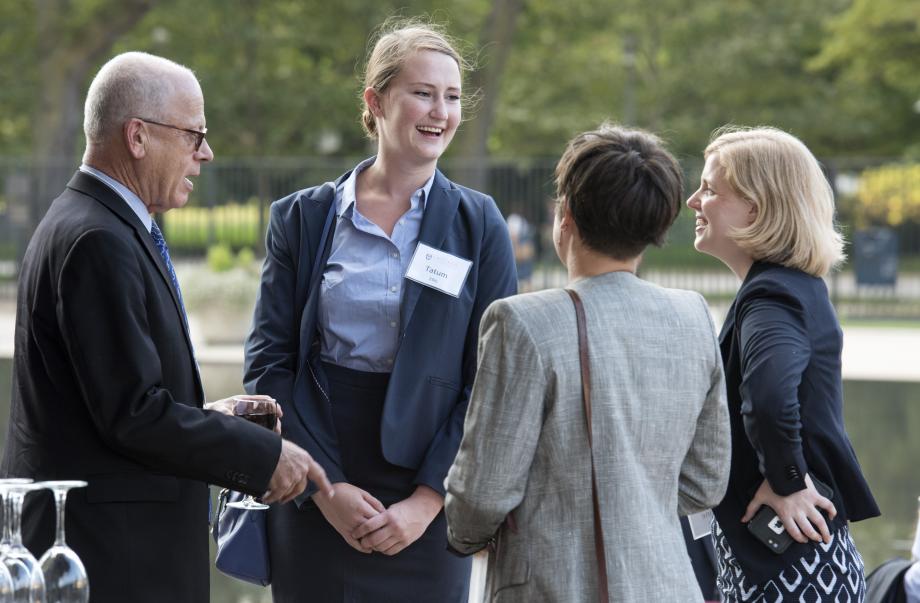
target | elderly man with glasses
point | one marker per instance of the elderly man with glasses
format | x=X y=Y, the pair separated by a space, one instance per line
x=106 y=387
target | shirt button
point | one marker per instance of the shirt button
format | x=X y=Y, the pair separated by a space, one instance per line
x=402 y=221
x=395 y=255
x=392 y=323
x=393 y=289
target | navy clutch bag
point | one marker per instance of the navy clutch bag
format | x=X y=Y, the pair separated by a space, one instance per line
x=242 y=541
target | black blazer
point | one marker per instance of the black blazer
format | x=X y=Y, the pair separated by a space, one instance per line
x=433 y=371
x=781 y=345
x=106 y=389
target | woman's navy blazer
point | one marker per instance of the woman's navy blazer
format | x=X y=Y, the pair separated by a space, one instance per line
x=781 y=344
x=435 y=365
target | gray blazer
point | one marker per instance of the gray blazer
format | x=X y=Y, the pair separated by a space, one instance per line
x=661 y=438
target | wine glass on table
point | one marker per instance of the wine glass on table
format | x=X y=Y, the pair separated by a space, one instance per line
x=6 y=578
x=6 y=537
x=28 y=580
x=260 y=412
x=64 y=575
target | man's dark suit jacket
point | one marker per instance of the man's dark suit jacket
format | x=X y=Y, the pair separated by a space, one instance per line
x=106 y=389
x=433 y=371
x=781 y=345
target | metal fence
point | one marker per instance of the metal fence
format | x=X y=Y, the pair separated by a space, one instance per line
x=230 y=206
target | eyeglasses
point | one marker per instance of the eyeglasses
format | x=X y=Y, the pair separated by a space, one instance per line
x=199 y=134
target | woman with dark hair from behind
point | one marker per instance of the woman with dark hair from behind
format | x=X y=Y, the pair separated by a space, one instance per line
x=658 y=421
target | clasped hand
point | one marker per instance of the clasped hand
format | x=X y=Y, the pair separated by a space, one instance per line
x=368 y=526
x=798 y=511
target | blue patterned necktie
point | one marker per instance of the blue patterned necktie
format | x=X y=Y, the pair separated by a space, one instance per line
x=160 y=242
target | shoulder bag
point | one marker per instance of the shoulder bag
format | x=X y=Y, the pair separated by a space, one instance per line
x=584 y=360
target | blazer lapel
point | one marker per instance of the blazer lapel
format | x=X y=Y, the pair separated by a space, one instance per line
x=728 y=325
x=154 y=254
x=319 y=220
x=100 y=191
x=440 y=209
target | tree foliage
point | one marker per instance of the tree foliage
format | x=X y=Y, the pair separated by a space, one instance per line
x=873 y=51
x=281 y=77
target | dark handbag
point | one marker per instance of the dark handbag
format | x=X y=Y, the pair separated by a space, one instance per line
x=242 y=541
x=584 y=360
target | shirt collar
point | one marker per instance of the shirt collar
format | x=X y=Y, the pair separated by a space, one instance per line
x=347 y=196
x=133 y=201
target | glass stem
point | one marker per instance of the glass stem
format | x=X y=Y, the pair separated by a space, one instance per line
x=15 y=523
x=5 y=501
x=60 y=499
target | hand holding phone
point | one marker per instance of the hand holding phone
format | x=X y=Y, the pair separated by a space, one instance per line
x=767 y=526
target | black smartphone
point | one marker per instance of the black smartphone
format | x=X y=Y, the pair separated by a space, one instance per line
x=768 y=528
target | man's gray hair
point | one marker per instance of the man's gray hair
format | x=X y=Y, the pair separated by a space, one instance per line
x=132 y=84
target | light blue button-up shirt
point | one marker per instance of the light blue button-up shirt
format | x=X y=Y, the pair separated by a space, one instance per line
x=362 y=284
x=133 y=201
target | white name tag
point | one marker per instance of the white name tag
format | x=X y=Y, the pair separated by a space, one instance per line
x=700 y=524
x=439 y=270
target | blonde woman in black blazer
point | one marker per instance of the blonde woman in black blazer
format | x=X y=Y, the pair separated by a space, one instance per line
x=765 y=209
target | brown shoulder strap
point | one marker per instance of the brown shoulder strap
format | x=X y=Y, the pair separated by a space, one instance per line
x=584 y=360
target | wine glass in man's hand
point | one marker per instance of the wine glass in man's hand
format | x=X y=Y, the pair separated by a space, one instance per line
x=260 y=412
x=264 y=412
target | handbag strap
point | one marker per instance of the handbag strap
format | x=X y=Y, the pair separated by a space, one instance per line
x=584 y=360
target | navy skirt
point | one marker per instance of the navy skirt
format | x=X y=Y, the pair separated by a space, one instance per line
x=310 y=560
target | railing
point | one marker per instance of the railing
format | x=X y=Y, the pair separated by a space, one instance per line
x=230 y=206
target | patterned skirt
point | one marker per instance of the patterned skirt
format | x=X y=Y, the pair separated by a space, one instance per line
x=833 y=572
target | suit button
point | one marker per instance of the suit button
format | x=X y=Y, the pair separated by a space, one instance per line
x=792 y=472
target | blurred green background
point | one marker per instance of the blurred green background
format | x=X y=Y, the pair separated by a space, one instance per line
x=281 y=77
x=282 y=85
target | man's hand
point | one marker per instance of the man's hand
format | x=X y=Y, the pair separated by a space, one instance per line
x=227 y=406
x=294 y=470
x=351 y=507
x=402 y=524
x=798 y=511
